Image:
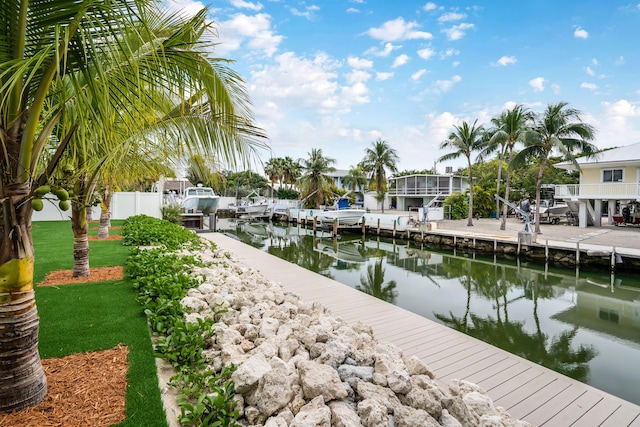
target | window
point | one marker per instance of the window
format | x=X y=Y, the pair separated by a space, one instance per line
x=612 y=175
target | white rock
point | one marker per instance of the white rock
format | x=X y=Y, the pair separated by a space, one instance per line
x=314 y=413
x=343 y=415
x=320 y=380
x=373 y=413
x=249 y=373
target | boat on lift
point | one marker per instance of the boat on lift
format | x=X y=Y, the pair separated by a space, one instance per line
x=200 y=199
x=343 y=213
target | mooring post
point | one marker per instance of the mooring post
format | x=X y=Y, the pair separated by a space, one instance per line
x=577 y=253
x=378 y=226
x=546 y=249
x=455 y=241
x=335 y=227
x=394 y=229
x=314 y=224
x=364 y=227
x=613 y=258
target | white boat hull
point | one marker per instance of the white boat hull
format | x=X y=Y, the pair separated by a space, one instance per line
x=343 y=216
x=200 y=199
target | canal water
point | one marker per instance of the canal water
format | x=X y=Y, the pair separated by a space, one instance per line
x=584 y=324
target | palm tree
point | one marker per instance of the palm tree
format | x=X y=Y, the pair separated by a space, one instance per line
x=60 y=83
x=377 y=159
x=355 y=179
x=510 y=128
x=463 y=142
x=314 y=179
x=292 y=170
x=274 y=169
x=560 y=129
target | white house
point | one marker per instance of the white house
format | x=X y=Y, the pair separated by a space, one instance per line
x=612 y=176
x=414 y=191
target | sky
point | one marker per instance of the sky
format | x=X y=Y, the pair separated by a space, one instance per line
x=340 y=74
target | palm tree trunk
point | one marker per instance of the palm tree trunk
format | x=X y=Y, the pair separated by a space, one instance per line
x=543 y=164
x=503 y=224
x=23 y=381
x=470 y=215
x=105 y=213
x=80 y=227
x=498 y=185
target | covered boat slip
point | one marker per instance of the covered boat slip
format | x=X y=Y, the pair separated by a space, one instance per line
x=526 y=390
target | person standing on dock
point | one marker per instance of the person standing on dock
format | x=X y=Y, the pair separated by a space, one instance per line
x=425 y=213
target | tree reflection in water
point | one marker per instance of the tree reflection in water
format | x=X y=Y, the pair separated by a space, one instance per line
x=372 y=283
x=493 y=281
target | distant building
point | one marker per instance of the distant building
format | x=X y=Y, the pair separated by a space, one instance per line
x=612 y=176
x=415 y=191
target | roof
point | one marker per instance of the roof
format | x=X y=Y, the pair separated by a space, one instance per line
x=629 y=154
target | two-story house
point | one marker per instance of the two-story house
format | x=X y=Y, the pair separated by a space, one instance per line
x=414 y=191
x=613 y=176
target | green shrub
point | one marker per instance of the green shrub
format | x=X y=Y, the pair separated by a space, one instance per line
x=288 y=194
x=459 y=205
x=172 y=213
x=161 y=278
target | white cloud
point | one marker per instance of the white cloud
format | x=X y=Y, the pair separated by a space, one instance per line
x=590 y=71
x=579 y=33
x=430 y=6
x=442 y=86
x=386 y=51
x=383 y=76
x=426 y=53
x=450 y=52
x=537 y=84
x=246 y=5
x=452 y=16
x=619 y=61
x=296 y=83
x=400 y=60
x=506 y=60
x=357 y=76
x=398 y=29
x=353 y=10
x=594 y=61
x=186 y=7
x=416 y=76
x=355 y=62
x=555 y=88
x=254 y=31
x=621 y=123
x=457 y=31
x=590 y=86
x=306 y=13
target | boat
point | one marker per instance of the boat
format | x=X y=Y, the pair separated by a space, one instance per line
x=350 y=251
x=257 y=207
x=343 y=214
x=552 y=211
x=200 y=199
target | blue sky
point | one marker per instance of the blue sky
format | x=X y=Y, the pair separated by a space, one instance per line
x=339 y=74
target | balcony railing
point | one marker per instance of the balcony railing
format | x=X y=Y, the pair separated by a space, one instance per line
x=598 y=191
x=421 y=191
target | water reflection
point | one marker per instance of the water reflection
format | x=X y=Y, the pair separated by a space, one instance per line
x=583 y=324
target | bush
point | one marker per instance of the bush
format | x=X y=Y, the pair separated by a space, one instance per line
x=459 y=205
x=171 y=213
x=288 y=194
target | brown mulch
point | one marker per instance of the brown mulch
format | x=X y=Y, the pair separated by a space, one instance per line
x=86 y=389
x=96 y=274
x=112 y=237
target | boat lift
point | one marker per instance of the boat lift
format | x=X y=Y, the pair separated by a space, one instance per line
x=425 y=208
x=525 y=214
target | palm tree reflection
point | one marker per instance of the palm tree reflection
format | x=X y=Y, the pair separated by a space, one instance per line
x=373 y=283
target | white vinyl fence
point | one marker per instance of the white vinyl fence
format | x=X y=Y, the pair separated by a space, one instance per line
x=123 y=205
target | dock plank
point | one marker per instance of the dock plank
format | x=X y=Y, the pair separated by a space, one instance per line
x=526 y=390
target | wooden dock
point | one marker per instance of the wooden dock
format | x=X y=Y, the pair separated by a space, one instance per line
x=526 y=390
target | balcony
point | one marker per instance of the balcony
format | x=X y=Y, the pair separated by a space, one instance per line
x=599 y=191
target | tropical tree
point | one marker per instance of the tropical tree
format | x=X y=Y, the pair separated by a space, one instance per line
x=57 y=60
x=559 y=129
x=463 y=142
x=355 y=179
x=510 y=128
x=292 y=170
x=274 y=169
x=379 y=158
x=315 y=179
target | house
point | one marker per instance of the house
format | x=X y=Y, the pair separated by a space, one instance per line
x=613 y=176
x=414 y=191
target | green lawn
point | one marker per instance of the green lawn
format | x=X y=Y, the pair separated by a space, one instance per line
x=96 y=316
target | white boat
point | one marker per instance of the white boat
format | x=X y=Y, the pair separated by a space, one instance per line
x=200 y=199
x=255 y=209
x=346 y=216
x=343 y=213
x=552 y=211
x=350 y=251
